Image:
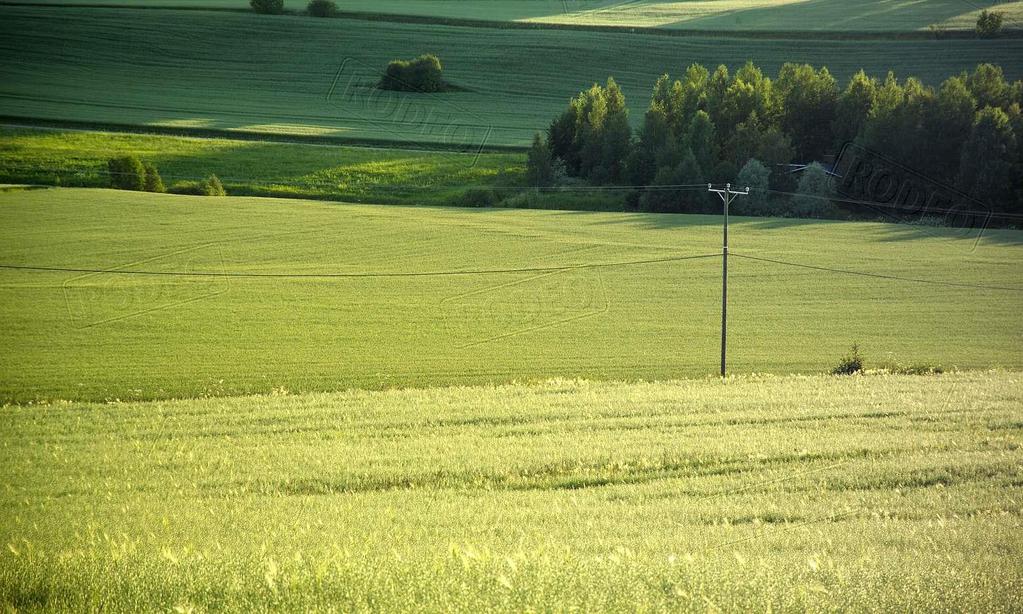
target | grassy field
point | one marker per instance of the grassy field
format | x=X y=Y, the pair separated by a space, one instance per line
x=70 y=158
x=758 y=15
x=196 y=69
x=76 y=335
x=760 y=493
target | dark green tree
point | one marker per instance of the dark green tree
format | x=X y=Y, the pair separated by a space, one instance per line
x=988 y=160
x=808 y=101
x=321 y=8
x=853 y=107
x=701 y=137
x=539 y=164
x=814 y=193
x=989 y=23
x=988 y=86
x=757 y=178
x=270 y=7
x=127 y=173
x=948 y=125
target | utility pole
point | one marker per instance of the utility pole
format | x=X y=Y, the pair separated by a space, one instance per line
x=727 y=195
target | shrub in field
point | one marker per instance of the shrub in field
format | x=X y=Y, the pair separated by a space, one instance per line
x=212 y=186
x=423 y=74
x=852 y=363
x=989 y=24
x=189 y=188
x=322 y=8
x=478 y=197
x=127 y=173
x=270 y=7
x=154 y=183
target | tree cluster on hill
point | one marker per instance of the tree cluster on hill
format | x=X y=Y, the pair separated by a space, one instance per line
x=423 y=74
x=712 y=126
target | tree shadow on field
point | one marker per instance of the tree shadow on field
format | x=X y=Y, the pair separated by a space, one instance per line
x=839 y=15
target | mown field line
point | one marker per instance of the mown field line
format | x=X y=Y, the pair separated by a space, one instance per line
x=539 y=25
x=33 y=123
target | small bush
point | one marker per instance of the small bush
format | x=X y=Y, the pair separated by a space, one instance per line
x=322 y=8
x=478 y=197
x=989 y=24
x=127 y=173
x=423 y=74
x=154 y=183
x=212 y=186
x=853 y=363
x=269 y=7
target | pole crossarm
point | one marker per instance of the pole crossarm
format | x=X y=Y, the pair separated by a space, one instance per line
x=727 y=195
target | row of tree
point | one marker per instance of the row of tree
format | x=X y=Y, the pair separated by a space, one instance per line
x=713 y=126
x=131 y=173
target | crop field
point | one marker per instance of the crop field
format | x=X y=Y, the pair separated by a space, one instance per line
x=334 y=296
x=258 y=168
x=757 y=15
x=202 y=70
x=822 y=493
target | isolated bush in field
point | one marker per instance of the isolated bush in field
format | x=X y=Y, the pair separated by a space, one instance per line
x=423 y=74
x=479 y=197
x=154 y=183
x=190 y=188
x=271 y=7
x=212 y=186
x=989 y=23
x=815 y=188
x=756 y=177
x=127 y=173
x=322 y=8
x=852 y=363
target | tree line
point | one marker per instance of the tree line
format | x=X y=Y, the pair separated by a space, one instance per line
x=748 y=129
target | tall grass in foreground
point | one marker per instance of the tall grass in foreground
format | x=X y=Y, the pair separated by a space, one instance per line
x=783 y=493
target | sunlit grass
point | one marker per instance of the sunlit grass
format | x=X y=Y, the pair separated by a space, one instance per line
x=79 y=335
x=820 y=493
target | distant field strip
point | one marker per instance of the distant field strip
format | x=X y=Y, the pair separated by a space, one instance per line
x=820 y=493
x=257 y=168
x=200 y=70
x=565 y=303
x=748 y=15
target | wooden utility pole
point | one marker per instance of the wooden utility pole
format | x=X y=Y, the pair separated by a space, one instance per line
x=727 y=195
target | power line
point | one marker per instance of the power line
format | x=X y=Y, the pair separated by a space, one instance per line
x=367 y=274
x=851 y=201
x=880 y=275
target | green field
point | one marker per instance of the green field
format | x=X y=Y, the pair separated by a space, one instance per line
x=759 y=15
x=359 y=174
x=204 y=70
x=785 y=494
x=76 y=335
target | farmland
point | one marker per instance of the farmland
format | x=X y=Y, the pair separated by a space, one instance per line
x=756 y=15
x=258 y=168
x=415 y=360
x=76 y=335
x=794 y=493
x=201 y=70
